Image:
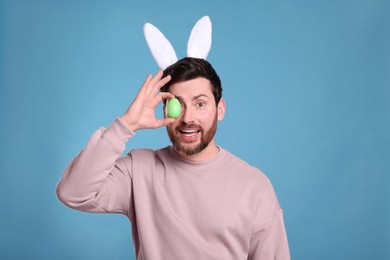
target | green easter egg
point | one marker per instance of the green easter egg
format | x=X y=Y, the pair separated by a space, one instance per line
x=173 y=108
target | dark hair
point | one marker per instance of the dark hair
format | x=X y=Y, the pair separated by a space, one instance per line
x=192 y=68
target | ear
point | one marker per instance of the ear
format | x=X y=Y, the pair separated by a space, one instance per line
x=162 y=50
x=221 y=108
x=199 y=43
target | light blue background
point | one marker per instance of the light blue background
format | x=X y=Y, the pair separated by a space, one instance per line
x=307 y=87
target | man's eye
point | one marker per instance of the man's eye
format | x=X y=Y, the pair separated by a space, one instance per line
x=201 y=104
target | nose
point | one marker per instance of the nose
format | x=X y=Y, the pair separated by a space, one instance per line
x=187 y=115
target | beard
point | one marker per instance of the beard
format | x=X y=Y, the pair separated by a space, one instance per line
x=192 y=148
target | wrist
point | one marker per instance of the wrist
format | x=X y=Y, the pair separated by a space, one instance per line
x=129 y=125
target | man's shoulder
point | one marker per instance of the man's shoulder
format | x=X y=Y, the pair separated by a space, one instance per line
x=239 y=162
x=243 y=168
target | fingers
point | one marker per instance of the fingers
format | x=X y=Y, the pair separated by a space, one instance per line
x=166 y=95
x=163 y=81
x=160 y=97
x=147 y=81
x=164 y=122
x=156 y=78
x=157 y=82
x=148 y=99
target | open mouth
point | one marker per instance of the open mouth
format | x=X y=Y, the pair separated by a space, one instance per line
x=189 y=134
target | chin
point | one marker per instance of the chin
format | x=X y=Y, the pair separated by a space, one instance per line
x=189 y=150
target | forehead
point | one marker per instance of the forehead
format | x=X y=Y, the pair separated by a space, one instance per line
x=191 y=88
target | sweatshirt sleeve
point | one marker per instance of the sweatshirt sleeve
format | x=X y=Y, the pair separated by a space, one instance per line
x=97 y=179
x=269 y=238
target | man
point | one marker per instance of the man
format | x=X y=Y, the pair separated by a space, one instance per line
x=191 y=200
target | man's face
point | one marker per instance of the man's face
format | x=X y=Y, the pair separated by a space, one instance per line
x=194 y=129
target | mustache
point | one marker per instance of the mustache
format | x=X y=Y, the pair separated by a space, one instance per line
x=188 y=127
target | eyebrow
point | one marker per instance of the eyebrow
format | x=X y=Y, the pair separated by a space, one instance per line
x=194 y=98
x=198 y=96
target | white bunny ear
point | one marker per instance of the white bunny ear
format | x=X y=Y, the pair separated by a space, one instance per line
x=162 y=50
x=199 y=43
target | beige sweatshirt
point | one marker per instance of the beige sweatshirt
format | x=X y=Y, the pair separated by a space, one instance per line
x=219 y=209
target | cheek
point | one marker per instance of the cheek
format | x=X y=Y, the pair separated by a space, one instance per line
x=173 y=126
x=207 y=117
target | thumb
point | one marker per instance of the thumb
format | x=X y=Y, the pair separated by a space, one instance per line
x=165 y=121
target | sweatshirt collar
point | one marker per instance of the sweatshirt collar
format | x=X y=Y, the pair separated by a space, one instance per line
x=197 y=165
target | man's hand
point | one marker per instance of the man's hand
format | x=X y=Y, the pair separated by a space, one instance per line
x=140 y=114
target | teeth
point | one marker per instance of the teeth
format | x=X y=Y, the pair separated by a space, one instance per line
x=189 y=131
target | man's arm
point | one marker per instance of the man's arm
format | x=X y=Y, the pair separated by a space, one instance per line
x=269 y=239
x=97 y=179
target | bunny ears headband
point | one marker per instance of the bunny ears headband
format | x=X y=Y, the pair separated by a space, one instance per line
x=198 y=46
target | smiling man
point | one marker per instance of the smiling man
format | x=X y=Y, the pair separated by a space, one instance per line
x=197 y=86
x=191 y=200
